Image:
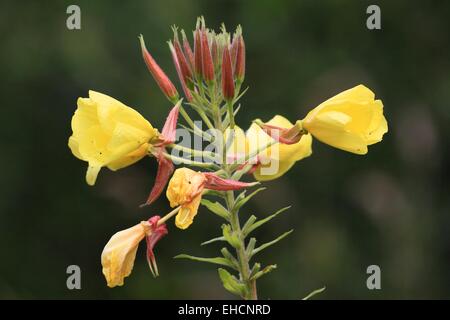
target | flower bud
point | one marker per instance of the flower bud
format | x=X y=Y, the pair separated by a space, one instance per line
x=227 y=76
x=185 y=68
x=187 y=50
x=233 y=51
x=215 y=52
x=207 y=63
x=197 y=54
x=239 y=70
x=181 y=76
x=158 y=74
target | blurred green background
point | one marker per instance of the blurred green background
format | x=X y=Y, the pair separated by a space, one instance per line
x=390 y=208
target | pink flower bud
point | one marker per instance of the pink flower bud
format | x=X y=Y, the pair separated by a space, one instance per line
x=233 y=51
x=207 y=63
x=187 y=50
x=214 y=182
x=182 y=78
x=215 y=52
x=227 y=76
x=197 y=53
x=158 y=74
x=186 y=70
x=239 y=70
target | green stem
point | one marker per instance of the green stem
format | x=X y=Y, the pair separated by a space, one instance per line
x=191 y=162
x=243 y=258
x=196 y=153
x=230 y=114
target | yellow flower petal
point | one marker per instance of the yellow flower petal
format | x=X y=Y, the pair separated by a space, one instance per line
x=278 y=158
x=120 y=252
x=350 y=121
x=184 y=185
x=92 y=173
x=238 y=146
x=108 y=133
x=187 y=212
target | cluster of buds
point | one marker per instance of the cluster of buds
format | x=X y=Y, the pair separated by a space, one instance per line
x=216 y=61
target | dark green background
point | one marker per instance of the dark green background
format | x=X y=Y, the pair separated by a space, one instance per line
x=390 y=207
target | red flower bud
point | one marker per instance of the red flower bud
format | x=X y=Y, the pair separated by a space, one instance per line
x=158 y=74
x=181 y=76
x=239 y=70
x=197 y=53
x=207 y=63
x=227 y=76
x=215 y=52
x=214 y=182
x=186 y=70
x=187 y=50
x=233 y=51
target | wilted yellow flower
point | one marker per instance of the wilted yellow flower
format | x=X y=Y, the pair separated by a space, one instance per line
x=350 y=121
x=278 y=158
x=185 y=190
x=120 y=251
x=108 y=133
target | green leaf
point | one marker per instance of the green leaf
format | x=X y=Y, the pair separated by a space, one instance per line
x=248 y=224
x=250 y=247
x=268 y=244
x=240 y=195
x=227 y=255
x=243 y=201
x=255 y=269
x=259 y=223
x=263 y=271
x=239 y=173
x=232 y=284
x=216 y=208
x=213 y=193
x=213 y=240
x=216 y=260
x=312 y=294
x=230 y=236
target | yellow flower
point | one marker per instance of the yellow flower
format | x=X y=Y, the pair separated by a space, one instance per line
x=278 y=158
x=350 y=121
x=120 y=252
x=238 y=146
x=185 y=190
x=108 y=133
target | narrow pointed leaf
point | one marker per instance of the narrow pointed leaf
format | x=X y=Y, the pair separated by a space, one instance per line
x=248 y=224
x=312 y=294
x=250 y=247
x=213 y=240
x=267 y=269
x=230 y=236
x=232 y=284
x=243 y=201
x=227 y=255
x=268 y=244
x=259 y=223
x=255 y=269
x=216 y=208
x=216 y=260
